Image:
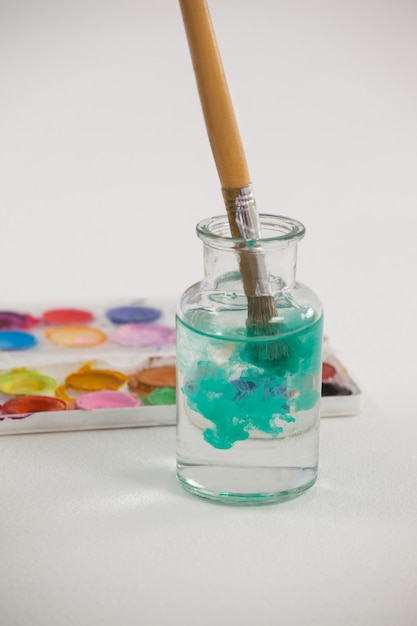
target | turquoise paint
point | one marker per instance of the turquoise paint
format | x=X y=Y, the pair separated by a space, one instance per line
x=242 y=394
x=287 y=418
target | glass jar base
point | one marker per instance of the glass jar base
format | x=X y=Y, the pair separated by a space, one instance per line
x=246 y=486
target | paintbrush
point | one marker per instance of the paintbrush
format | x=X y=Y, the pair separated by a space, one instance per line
x=232 y=168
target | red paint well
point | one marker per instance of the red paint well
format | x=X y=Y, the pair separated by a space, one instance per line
x=33 y=404
x=67 y=316
x=328 y=371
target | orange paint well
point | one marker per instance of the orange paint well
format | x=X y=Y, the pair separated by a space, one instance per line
x=75 y=336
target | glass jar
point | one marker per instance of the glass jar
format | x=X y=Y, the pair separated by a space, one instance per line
x=248 y=403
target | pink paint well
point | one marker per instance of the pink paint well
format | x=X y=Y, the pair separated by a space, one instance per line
x=106 y=400
x=143 y=335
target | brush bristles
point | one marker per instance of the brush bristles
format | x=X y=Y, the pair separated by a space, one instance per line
x=260 y=311
x=262 y=322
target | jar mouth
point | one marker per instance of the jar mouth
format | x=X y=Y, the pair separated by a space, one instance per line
x=275 y=229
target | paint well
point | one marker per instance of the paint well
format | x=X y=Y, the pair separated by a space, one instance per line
x=162 y=396
x=143 y=335
x=146 y=380
x=106 y=400
x=334 y=389
x=90 y=379
x=59 y=317
x=155 y=385
x=75 y=336
x=328 y=371
x=33 y=404
x=12 y=320
x=133 y=314
x=164 y=376
x=16 y=340
x=20 y=382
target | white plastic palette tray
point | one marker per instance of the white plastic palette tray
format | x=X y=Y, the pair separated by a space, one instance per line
x=342 y=395
x=153 y=349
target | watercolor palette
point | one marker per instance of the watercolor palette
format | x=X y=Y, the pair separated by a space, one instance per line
x=65 y=368
x=87 y=367
x=340 y=394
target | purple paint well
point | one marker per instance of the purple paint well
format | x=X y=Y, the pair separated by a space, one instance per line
x=106 y=400
x=143 y=335
x=10 y=320
x=133 y=314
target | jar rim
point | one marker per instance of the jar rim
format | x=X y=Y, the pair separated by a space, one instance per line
x=287 y=229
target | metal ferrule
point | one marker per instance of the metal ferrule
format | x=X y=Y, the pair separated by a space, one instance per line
x=241 y=207
x=244 y=223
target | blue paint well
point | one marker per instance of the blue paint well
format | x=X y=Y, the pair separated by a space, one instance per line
x=16 y=340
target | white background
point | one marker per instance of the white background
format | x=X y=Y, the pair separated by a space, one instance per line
x=105 y=170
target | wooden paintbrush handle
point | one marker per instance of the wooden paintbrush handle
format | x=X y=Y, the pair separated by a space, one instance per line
x=219 y=116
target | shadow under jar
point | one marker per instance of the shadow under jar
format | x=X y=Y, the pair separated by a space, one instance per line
x=248 y=405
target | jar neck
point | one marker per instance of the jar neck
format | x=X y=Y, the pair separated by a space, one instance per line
x=274 y=256
x=222 y=269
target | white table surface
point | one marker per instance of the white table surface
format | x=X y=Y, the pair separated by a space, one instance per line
x=106 y=169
